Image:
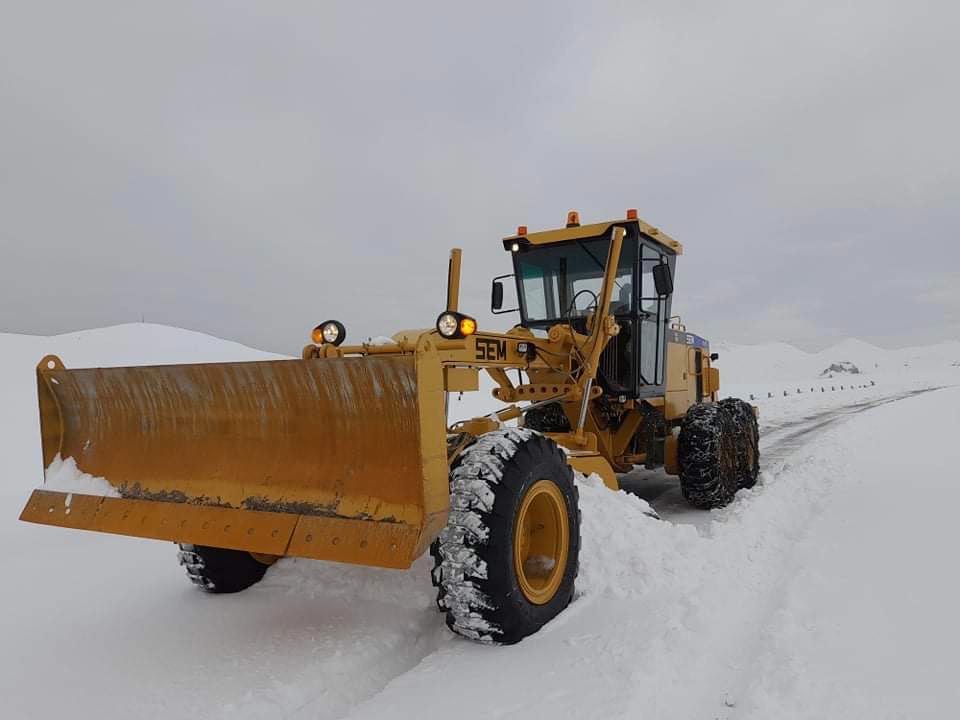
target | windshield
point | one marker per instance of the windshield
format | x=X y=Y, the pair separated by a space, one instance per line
x=564 y=281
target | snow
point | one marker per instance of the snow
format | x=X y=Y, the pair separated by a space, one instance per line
x=866 y=626
x=778 y=366
x=65 y=476
x=379 y=341
x=826 y=591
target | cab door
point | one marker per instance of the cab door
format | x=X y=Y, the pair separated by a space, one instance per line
x=652 y=314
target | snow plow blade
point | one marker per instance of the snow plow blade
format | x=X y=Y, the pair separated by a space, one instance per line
x=335 y=459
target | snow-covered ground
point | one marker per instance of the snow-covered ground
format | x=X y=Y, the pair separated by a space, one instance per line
x=827 y=591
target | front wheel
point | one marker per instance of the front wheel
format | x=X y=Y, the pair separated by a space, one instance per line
x=507 y=560
x=217 y=570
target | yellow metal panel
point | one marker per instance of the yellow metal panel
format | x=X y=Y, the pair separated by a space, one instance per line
x=671 y=464
x=383 y=544
x=267 y=533
x=677 y=403
x=453 y=280
x=588 y=463
x=434 y=473
x=312 y=436
x=461 y=379
x=364 y=542
x=676 y=366
x=546 y=237
x=711 y=380
x=256 y=456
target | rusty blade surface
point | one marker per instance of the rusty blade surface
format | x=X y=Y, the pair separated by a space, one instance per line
x=322 y=438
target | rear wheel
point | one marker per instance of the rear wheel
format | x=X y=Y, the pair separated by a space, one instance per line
x=707 y=455
x=216 y=570
x=748 y=440
x=507 y=560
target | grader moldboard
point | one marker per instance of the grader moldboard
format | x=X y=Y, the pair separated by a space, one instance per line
x=346 y=453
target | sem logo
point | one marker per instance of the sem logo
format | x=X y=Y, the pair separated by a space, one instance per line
x=491 y=349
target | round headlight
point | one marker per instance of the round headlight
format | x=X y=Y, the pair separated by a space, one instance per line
x=331 y=332
x=448 y=325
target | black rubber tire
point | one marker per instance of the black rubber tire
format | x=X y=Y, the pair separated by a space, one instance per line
x=748 y=440
x=474 y=564
x=216 y=570
x=436 y=575
x=707 y=455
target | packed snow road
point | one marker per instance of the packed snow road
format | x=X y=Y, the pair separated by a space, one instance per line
x=820 y=593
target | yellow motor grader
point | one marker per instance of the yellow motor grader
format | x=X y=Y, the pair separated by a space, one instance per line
x=347 y=454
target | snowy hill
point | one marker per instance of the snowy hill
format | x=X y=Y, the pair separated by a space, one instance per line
x=132 y=344
x=775 y=366
x=795 y=601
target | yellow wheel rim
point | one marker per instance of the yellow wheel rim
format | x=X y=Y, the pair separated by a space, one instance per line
x=541 y=542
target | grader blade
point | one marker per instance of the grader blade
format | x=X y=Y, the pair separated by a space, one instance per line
x=338 y=459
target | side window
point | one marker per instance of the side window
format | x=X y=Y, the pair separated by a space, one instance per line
x=535 y=297
x=653 y=313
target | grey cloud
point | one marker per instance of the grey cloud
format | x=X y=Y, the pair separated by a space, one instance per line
x=249 y=169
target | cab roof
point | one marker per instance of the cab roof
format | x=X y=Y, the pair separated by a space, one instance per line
x=577 y=232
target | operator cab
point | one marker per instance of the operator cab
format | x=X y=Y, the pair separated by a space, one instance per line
x=559 y=276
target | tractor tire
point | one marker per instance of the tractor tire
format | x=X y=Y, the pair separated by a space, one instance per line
x=748 y=440
x=707 y=455
x=216 y=570
x=507 y=561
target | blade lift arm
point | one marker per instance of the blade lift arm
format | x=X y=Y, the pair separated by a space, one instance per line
x=604 y=327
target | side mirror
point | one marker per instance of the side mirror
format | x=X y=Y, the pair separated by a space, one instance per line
x=496 y=295
x=662 y=279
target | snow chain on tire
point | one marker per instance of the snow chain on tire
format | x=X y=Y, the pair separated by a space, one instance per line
x=748 y=440
x=707 y=455
x=474 y=568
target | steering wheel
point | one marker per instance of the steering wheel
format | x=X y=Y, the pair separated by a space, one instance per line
x=573 y=302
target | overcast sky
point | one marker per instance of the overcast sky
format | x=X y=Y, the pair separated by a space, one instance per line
x=249 y=169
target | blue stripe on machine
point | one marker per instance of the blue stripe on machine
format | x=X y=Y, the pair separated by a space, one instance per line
x=685 y=338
